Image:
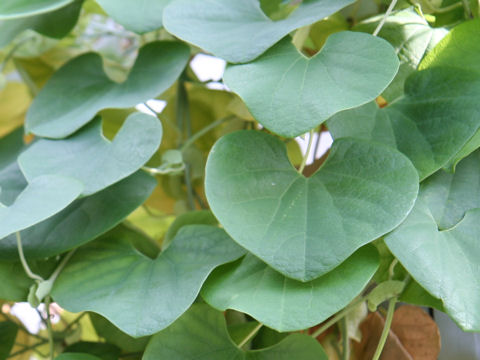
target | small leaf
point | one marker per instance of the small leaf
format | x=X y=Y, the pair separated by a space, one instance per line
x=283 y=84
x=42 y=198
x=82 y=221
x=90 y=158
x=157 y=67
x=212 y=341
x=383 y=292
x=250 y=286
x=11 y=9
x=109 y=275
x=238 y=31
x=305 y=227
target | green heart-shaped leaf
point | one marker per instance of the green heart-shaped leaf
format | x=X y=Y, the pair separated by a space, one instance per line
x=90 y=158
x=157 y=67
x=290 y=94
x=250 y=286
x=238 y=31
x=212 y=342
x=12 y=181
x=430 y=124
x=305 y=227
x=82 y=221
x=12 y=9
x=56 y=24
x=109 y=276
x=140 y=16
x=445 y=261
x=42 y=198
x=411 y=36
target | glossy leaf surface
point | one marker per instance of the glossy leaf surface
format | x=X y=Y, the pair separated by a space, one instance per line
x=290 y=94
x=157 y=67
x=208 y=327
x=109 y=276
x=90 y=158
x=238 y=31
x=305 y=227
x=250 y=286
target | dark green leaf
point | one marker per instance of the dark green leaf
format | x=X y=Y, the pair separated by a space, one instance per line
x=12 y=181
x=8 y=334
x=75 y=356
x=88 y=89
x=238 y=31
x=104 y=351
x=305 y=227
x=283 y=84
x=250 y=286
x=90 y=158
x=201 y=334
x=109 y=276
x=83 y=220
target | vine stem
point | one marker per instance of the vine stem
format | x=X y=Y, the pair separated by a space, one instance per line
x=60 y=266
x=48 y=300
x=387 y=14
x=307 y=153
x=29 y=272
x=337 y=317
x=27 y=348
x=345 y=340
x=386 y=328
x=250 y=335
x=202 y=132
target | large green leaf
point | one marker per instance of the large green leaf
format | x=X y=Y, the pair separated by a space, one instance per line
x=56 y=24
x=12 y=181
x=250 y=286
x=290 y=94
x=82 y=221
x=11 y=9
x=238 y=31
x=42 y=198
x=90 y=158
x=140 y=16
x=86 y=88
x=305 y=227
x=430 y=124
x=8 y=334
x=411 y=36
x=201 y=334
x=109 y=276
x=438 y=242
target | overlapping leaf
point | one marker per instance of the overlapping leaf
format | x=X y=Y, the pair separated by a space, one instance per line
x=305 y=227
x=55 y=24
x=82 y=221
x=290 y=94
x=212 y=341
x=438 y=242
x=238 y=31
x=411 y=36
x=140 y=16
x=250 y=286
x=11 y=9
x=85 y=89
x=12 y=181
x=90 y=158
x=109 y=276
x=42 y=198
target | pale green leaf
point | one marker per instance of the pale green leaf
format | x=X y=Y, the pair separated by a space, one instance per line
x=86 y=88
x=305 y=227
x=250 y=286
x=238 y=31
x=109 y=276
x=11 y=9
x=290 y=94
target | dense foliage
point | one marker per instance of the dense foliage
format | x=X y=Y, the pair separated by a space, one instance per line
x=200 y=231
